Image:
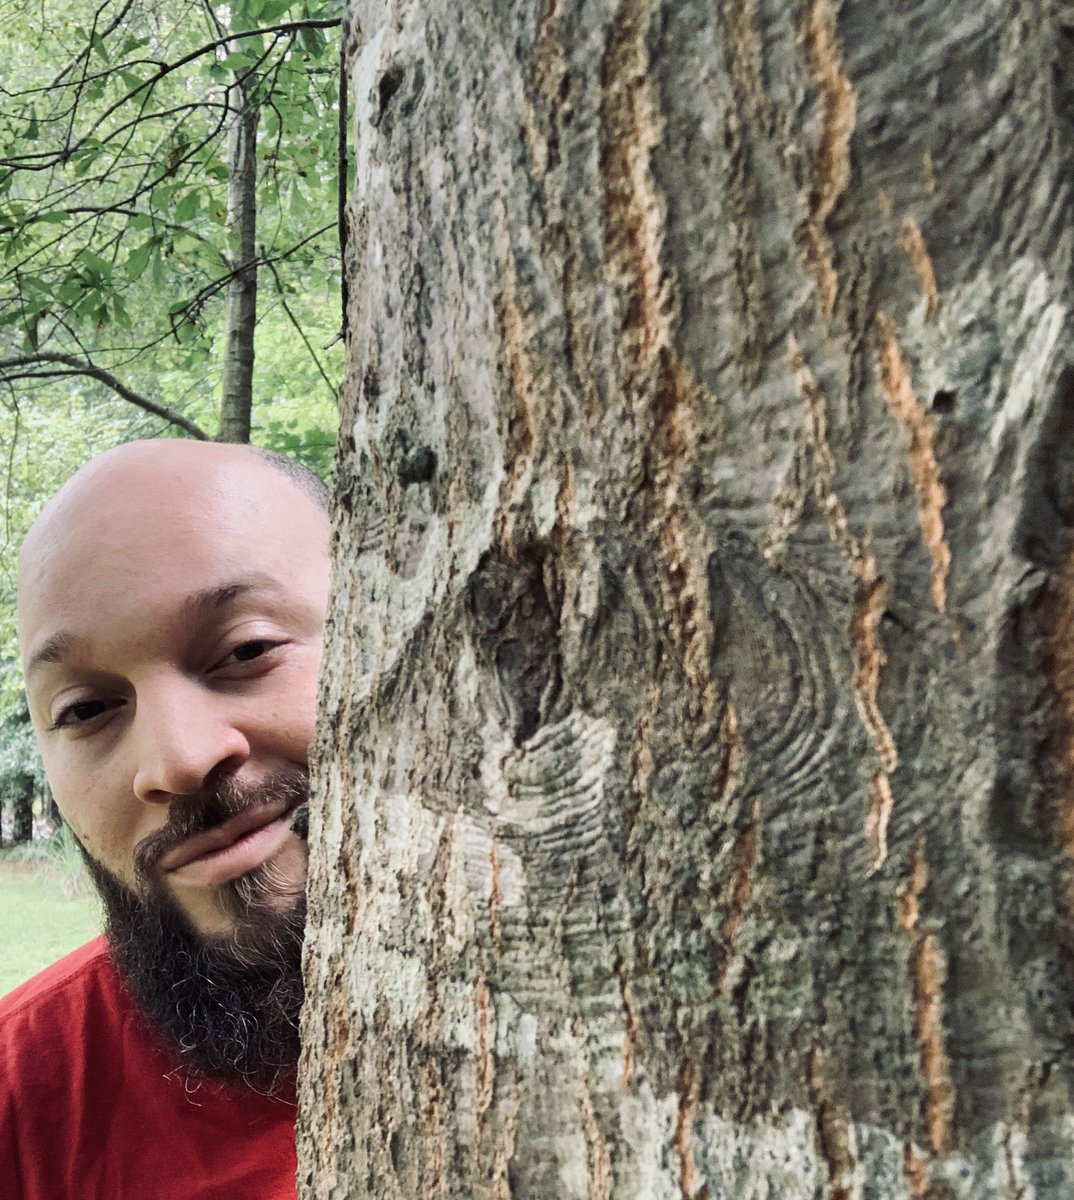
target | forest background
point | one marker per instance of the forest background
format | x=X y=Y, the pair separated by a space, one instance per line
x=169 y=257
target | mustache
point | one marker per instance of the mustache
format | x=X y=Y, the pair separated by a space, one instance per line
x=205 y=810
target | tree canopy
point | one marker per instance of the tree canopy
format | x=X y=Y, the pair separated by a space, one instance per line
x=114 y=169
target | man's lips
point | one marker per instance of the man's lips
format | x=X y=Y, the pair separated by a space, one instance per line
x=221 y=838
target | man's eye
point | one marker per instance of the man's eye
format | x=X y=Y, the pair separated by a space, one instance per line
x=250 y=650
x=246 y=652
x=79 y=713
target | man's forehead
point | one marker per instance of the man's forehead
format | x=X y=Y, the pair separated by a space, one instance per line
x=174 y=479
x=173 y=474
x=142 y=513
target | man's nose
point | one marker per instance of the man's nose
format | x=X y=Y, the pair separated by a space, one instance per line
x=185 y=738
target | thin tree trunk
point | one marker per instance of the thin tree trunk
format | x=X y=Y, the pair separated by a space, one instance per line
x=693 y=811
x=240 y=313
x=22 y=811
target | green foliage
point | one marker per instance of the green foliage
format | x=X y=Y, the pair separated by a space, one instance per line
x=19 y=757
x=114 y=247
x=55 y=859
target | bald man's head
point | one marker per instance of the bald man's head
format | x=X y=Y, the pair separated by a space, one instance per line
x=313 y=485
x=171 y=605
x=145 y=465
x=121 y=504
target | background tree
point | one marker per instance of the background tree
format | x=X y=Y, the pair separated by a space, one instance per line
x=694 y=809
x=131 y=182
x=19 y=776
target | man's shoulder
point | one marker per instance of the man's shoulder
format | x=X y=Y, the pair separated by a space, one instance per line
x=62 y=986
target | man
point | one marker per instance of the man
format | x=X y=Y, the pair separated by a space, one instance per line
x=171 y=603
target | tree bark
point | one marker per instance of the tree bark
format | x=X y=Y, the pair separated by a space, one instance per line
x=22 y=811
x=240 y=311
x=693 y=812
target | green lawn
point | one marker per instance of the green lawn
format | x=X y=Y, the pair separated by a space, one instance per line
x=39 y=923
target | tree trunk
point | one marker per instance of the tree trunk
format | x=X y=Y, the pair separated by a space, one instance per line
x=240 y=312
x=694 y=781
x=22 y=811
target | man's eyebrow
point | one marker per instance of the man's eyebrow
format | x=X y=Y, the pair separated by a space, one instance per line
x=56 y=648
x=217 y=597
x=52 y=650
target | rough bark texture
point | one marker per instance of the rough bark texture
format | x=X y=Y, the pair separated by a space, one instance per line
x=240 y=310
x=694 y=802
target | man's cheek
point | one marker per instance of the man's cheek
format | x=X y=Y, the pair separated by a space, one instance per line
x=97 y=848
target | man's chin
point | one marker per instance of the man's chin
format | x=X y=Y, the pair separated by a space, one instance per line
x=239 y=906
x=225 y=993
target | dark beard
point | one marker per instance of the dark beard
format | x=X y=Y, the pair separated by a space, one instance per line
x=227 y=1003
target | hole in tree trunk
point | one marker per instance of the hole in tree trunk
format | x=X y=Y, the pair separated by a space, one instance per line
x=944 y=401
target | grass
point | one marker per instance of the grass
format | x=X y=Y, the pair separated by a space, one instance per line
x=46 y=907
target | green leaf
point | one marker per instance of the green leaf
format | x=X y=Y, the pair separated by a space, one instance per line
x=188 y=206
x=29 y=329
x=185 y=333
x=297 y=208
x=321 y=12
x=160 y=197
x=240 y=60
x=95 y=270
x=273 y=10
x=84 y=157
x=35 y=286
x=313 y=41
x=138 y=259
x=70 y=291
x=120 y=314
x=245 y=14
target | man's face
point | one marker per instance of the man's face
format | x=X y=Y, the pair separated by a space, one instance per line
x=171 y=605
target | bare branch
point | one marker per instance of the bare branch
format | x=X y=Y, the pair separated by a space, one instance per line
x=342 y=167
x=84 y=367
x=333 y=388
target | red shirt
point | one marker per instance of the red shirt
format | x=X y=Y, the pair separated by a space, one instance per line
x=93 y=1107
